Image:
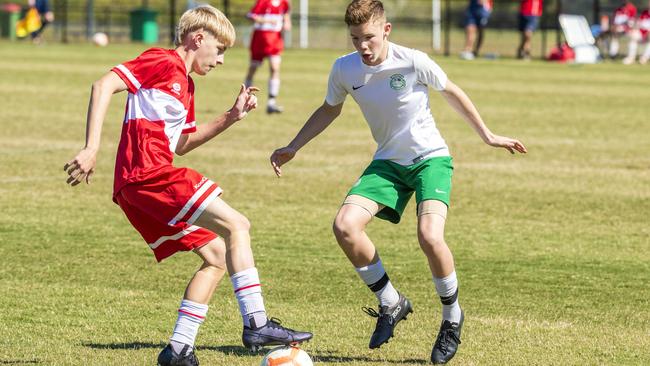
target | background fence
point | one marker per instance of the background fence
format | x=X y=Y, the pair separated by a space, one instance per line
x=77 y=20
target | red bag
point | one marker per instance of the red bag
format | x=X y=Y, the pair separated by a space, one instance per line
x=563 y=53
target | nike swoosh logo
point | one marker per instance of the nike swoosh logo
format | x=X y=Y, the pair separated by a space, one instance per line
x=439 y=191
x=357 y=87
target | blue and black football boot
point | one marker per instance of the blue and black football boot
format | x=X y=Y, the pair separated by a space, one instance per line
x=447 y=342
x=272 y=334
x=168 y=357
x=387 y=319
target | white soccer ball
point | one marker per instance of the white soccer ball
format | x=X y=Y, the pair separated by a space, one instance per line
x=100 y=39
x=286 y=356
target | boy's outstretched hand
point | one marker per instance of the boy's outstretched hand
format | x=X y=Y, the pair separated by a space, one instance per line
x=280 y=157
x=81 y=167
x=245 y=102
x=507 y=143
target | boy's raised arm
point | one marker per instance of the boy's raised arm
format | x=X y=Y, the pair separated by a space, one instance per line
x=82 y=166
x=457 y=98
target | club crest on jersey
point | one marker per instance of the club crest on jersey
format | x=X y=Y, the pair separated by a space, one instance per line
x=397 y=81
x=176 y=88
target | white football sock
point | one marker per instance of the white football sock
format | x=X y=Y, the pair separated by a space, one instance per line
x=190 y=317
x=274 y=88
x=376 y=278
x=248 y=292
x=447 y=289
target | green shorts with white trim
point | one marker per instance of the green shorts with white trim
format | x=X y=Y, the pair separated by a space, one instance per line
x=392 y=185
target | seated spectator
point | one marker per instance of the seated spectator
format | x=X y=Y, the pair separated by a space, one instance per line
x=639 y=34
x=622 y=25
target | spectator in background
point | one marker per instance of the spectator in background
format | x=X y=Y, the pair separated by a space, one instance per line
x=47 y=17
x=476 y=18
x=529 y=13
x=622 y=25
x=271 y=18
x=640 y=34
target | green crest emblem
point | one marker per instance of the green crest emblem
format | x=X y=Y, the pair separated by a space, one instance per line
x=397 y=81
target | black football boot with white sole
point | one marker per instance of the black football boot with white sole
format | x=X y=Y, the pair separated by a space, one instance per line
x=387 y=319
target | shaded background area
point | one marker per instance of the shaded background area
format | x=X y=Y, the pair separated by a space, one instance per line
x=77 y=20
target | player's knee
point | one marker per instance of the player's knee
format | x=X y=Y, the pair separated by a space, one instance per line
x=344 y=227
x=430 y=240
x=235 y=223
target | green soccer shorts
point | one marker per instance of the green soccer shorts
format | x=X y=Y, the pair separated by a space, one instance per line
x=392 y=184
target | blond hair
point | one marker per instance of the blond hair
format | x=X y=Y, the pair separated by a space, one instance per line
x=364 y=11
x=208 y=18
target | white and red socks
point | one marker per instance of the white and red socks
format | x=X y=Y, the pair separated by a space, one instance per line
x=447 y=289
x=377 y=280
x=248 y=292
x=190 y=317
x=274 y=90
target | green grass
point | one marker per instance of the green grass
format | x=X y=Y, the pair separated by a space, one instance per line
x=552 y=248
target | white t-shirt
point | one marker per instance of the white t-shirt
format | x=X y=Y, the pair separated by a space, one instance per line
x=394 y=99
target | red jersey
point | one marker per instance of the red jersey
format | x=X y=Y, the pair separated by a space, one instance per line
x=488 y=4
x=272 y=11
x=624 y=15
x=159 y=108
x=531 y=8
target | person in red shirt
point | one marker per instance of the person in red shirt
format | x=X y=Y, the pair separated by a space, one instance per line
x=622 y=24
x=529 y=13
x=270 y=19
x=639 y=34
x=178 y=209
x=476 y=18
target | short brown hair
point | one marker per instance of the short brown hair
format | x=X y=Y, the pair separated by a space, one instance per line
x=364 y=11
x=208 y=18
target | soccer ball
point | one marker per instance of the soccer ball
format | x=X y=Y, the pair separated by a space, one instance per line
x=100 y=39
x=286 y=356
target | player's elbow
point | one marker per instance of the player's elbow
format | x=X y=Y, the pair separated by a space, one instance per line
x=180 y=151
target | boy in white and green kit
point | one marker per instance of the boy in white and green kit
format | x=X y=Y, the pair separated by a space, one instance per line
x=390 y=83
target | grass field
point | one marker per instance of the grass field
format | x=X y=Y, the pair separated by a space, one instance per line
x=552 y=248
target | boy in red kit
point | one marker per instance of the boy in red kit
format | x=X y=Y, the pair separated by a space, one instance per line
x=639 y=33
x=622 y=24
x=529 y=13
x=178 y=209
x=270 y=18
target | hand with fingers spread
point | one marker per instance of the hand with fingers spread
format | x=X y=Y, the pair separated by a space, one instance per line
x=507 y=143
x=81 y=167
x=280 y=157
x=245 y=102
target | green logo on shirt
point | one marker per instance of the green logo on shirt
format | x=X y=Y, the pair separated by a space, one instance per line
x=397 y=81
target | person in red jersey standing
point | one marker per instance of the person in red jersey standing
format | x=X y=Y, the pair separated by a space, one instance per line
x=271 y=18
x=529 y=13
x=178 y=209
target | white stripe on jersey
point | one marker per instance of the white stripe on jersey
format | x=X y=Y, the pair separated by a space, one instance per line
x=206 y=185
x=155 y=105
x=187 y=126
x=176 y=236
x=272 y=22
x=129 y=76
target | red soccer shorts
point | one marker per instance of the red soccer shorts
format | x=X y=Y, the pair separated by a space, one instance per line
x=265 y=44
x=164 y=209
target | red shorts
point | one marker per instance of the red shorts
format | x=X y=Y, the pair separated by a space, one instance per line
x=164 y=210
x=265 y=44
